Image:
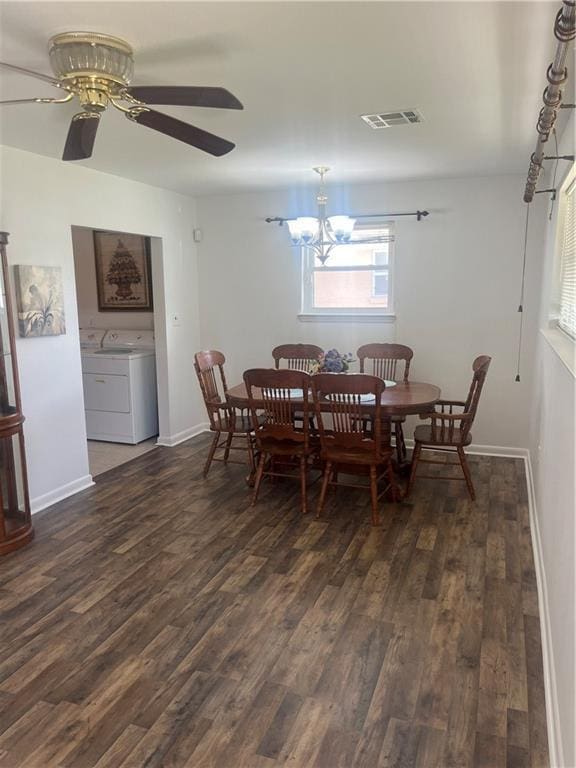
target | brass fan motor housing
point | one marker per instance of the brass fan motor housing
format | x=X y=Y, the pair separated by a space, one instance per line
x=95 y=67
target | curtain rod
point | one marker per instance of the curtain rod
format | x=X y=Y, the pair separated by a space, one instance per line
x=557 y=74
x=419 y=216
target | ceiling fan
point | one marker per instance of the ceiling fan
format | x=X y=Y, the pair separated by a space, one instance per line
x=97 y=69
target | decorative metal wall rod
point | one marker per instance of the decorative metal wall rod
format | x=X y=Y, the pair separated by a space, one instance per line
x=419 y=216
x=557 y=74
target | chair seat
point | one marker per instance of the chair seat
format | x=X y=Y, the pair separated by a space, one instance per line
x=352 y=456
x=423 y=434
x=285 y=447
x=241 y=425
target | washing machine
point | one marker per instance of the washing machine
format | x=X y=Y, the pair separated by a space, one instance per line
x=119 y=379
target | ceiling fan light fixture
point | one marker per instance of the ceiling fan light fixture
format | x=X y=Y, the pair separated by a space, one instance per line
x=91 y=54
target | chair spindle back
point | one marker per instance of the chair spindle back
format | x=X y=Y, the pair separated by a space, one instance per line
x=443 y=429
x=209 y=367
x=383 y=359
x=348 y=410
x=299 y=357
x=271 y=395
x=480 y=368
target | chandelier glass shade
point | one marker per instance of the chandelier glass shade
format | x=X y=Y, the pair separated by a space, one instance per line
x=323 y=233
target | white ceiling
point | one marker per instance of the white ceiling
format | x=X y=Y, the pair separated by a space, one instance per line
x=304 y=72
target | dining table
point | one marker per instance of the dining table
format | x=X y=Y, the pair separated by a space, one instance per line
x=398 y=398
x=402 y=398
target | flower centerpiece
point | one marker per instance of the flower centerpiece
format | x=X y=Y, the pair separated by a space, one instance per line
x=333 y=362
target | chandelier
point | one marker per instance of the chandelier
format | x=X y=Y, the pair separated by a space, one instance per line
x=321 y=234
x=324 y=233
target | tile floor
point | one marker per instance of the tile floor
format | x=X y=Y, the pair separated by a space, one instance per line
x=103 y=456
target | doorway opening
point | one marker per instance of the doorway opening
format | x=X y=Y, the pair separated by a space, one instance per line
x=118 y=292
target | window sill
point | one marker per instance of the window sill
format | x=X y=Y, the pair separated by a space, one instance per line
x=563 y=345
x=345 y=317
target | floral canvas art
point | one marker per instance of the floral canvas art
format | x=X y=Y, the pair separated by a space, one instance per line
x=123 y=271
x=40 y=301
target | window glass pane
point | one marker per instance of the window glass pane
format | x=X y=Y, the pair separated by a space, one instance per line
x=380 y=284
x=350 y=289
x=381 y=257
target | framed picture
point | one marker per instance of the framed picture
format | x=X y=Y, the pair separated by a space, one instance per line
x=123 y=272
x=40 y=300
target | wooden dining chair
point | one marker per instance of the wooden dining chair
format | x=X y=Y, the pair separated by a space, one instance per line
x=391 y=362
x=227 y=423
x=349 y=442
x=450 y=430
x=270 y=396
x=298 y=357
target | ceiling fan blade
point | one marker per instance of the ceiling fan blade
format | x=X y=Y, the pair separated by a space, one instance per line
x=185 y=132
x=185 y=96
x=37 y=75
x=81 y=136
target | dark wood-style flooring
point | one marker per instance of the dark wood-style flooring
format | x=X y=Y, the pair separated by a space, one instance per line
x=158 y=620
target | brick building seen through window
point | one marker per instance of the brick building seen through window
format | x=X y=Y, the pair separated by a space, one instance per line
x=355 y=277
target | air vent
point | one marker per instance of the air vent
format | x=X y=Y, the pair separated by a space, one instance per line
x=389 y=119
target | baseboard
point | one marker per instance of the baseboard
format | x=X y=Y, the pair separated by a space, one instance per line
x=61 y=493
x=490 y=450
x=180 y=437
x=498 y=450
x=550 y=690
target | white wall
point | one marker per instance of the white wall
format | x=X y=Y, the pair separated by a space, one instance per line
x=553 y=459
x=40 y=200
x=87 y=292
x=457 y=286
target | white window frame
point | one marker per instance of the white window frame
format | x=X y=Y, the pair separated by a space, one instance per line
x=560 y=341
x=311 y=264
x=568 y=189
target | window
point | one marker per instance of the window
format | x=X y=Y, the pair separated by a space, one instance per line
x=567 y=313
x=356 y=279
